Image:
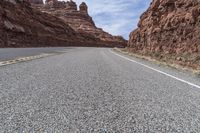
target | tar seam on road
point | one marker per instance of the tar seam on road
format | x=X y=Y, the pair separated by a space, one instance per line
x=166 y=74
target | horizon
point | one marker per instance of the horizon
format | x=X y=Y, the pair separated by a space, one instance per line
x=116 y=17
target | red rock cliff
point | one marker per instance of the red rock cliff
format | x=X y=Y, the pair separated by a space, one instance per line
x=80 y=20
x=23 y=26
x=168 y=26
x=36 y=1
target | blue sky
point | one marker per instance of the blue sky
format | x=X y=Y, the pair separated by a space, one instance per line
x=118 y=17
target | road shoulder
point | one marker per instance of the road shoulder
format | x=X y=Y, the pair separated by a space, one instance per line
x=159 y=62
x=176 y=74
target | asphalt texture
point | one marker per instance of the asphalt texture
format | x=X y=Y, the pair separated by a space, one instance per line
x=13 y=53
x=91 y=90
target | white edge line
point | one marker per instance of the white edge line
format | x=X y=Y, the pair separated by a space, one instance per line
x=184 y=81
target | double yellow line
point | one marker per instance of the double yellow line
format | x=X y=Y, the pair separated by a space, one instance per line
x=23 y=59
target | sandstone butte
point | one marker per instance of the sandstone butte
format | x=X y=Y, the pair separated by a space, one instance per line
x=30 y=23
x=169 y=29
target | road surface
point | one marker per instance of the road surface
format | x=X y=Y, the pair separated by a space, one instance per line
x=93 y=90
x=13 y=53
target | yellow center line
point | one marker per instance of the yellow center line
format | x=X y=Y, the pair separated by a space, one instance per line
x=23 y=59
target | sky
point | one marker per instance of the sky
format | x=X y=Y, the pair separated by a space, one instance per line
x=118 y=17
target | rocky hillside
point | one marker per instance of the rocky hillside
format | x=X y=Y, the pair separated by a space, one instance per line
x=169 y=28
x=36 y=1
x=79 y=20
x=23 y=26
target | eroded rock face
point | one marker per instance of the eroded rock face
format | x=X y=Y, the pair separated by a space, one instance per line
x=80 y=20
x=83 y=8
x=36 y=1
x=23 y=26
x=169 y=27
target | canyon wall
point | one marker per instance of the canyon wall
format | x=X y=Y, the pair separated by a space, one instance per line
x=169 y=27
x=80 y=20
x=36 y=1
x=22 y=24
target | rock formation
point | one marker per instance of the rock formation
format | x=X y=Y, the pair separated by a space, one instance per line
x=36 y=1
x=71 y=5
x=169 y=27
x=21 y=25
x=80 y=20
x=83 y=8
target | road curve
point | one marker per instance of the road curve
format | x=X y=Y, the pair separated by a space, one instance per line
x=93 y=90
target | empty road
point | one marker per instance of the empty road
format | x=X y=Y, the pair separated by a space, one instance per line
x=13 y=53
x=93 y=90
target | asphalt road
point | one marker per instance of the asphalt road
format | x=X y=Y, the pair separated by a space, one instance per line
x=13 y=53
x=92 y=90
